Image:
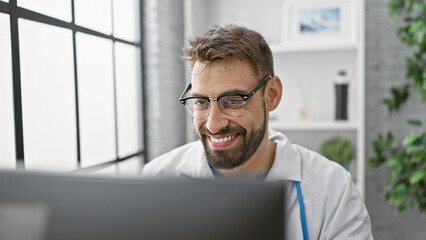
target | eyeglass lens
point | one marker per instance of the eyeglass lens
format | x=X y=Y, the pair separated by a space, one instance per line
x=199 y=108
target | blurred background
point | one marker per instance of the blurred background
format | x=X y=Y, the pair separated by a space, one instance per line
x=93 y=86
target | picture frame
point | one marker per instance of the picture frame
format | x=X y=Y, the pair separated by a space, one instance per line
x=318 y=24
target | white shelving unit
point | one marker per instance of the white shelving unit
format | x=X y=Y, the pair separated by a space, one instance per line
x=318 y=126
x=307 y=70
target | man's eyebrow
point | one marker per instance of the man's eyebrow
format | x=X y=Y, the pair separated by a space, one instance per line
x=229 y=92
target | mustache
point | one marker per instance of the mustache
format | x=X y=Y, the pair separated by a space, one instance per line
x=228 y=130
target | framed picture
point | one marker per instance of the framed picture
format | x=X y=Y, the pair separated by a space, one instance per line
x=319 y=23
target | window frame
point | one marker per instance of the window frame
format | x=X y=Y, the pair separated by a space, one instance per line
x=15 y=12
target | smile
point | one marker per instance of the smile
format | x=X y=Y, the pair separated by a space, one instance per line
x=222 y=140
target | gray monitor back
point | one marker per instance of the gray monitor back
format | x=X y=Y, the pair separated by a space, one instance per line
x=50 y=206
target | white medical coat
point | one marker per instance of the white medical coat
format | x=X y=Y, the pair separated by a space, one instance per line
x=333 y=206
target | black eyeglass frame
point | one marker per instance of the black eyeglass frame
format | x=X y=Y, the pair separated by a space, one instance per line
x=245 y=97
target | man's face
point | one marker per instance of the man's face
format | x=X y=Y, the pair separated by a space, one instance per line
x=229 y=147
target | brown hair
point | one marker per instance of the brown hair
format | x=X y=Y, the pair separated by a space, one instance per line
x=230 y=42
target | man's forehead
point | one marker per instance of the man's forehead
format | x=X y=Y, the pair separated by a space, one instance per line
x=223 y=69
x=224 y=77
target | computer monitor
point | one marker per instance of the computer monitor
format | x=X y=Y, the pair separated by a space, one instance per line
x=53 y=206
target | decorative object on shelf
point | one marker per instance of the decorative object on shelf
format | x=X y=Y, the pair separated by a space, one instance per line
x=312 y=23
x=341 y=91
x=407 y=158
x=306 y=113
x=338 y=150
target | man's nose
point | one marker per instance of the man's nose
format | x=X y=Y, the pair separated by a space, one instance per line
x=216 y=120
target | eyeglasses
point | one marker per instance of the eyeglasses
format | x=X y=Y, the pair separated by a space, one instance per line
x=231 y=104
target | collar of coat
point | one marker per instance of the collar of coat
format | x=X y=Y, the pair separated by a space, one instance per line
x=287 y=163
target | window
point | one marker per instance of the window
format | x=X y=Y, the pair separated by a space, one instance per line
x=7 y=136
x=71 y=86
x=48 y=96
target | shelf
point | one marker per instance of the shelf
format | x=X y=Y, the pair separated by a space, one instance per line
x=307 y=126
x=278 y=48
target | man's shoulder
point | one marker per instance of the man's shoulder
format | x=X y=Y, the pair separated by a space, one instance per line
x=314 y=165
x=167 y=163
x=314 y=158
x=330 y=192
x=298 y=163
x=314 y=168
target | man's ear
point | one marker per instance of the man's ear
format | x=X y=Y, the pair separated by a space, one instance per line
x=273 y=93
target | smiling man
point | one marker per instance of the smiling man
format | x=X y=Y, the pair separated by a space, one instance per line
x=233 y=88
x=232 y=143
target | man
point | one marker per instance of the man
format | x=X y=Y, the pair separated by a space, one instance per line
x=233 y=88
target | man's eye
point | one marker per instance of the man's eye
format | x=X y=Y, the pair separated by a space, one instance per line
x=233 y=102
x=201 y=103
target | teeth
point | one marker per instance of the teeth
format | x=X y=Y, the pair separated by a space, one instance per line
x=221 y=140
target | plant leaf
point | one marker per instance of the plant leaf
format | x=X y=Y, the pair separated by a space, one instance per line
x=417 y=176
x=410 y=139
x=402 y=208
x=391 y=182
x=393 y=162
x=400 y=187
x=414 y=122
x=418 y=156
x=372 y=163
x=398 y=198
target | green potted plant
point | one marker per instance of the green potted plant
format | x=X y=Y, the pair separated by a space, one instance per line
x=406 y=155
x=338 y=150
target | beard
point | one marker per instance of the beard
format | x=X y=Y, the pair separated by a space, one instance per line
x=238 y=154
